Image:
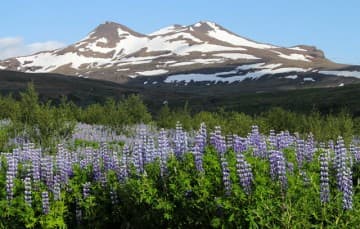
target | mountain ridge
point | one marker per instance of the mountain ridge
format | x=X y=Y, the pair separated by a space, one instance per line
x=180 y=55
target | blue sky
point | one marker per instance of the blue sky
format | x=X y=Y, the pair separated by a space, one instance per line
x=331 y=25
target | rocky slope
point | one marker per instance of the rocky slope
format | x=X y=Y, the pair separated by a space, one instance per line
x=203 y=53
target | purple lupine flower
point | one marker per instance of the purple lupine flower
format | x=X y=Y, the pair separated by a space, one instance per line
x=239 y=144
x=309 y=147
x=27 y=193
x=106 y=156
x=57 y=191
x=125 y=162
x=244 y=172
x=49 y=173
x=35 y=161
x=254 y=136
x=272 y=140
x=347 y=189
x=86 y=189
x=150 y=150
x=178 y=139
x=198 y=159
x=278 y=168
x=137 y=158
x=324 y=178
x=163 y=148
x=10 y=177
x=203 y=133
x=96 y=166
x=281 y=140
x=261 y=148
x=218 y=141
x=220 y=144
x=357 y=154
x=45 y=202
x=229 y=140
x=340 y=162
x=300 y=152
x=116 y=165
x=226 y=176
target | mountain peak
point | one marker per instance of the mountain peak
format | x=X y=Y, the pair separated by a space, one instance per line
x=109 y=27
x=115 y=52
x=207 y=25
x=168 y=29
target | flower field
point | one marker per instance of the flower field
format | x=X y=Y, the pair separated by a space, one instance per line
x=179 y=179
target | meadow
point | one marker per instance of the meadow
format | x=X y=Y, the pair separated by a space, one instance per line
x=118 y=165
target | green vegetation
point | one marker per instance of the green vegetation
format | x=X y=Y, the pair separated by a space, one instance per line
x=46 y=123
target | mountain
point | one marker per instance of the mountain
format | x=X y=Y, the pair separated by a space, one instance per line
x=84 y=92
x=202 y=54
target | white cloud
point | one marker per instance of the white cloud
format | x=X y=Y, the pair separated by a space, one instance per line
x=15 y=46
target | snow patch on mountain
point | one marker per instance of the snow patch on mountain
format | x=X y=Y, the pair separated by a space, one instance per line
x=169 y=29
x=292 y=56
x=227 y=37
x=298 y=49
x=153 y=72
x=293 y=77
x=235 y=76
x=235 y=56
x=50 y=62
x=355 y=74
x=309 y=79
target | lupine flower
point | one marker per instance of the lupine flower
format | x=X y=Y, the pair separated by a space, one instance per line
x=27 y=193
x=45 y=202
x=137 y=158
x=340 y=162
x=198 y=158
x=124 y=170
x=163 y=151
x=309 y=147
x=96 y=166
x=203 y=133
x=277 y=168
x=347 y=189
x=324 y=178
x=272 y=140
x=10 y=176
x=254 y=136
x=239 y=144
x=244 y=172
x=150 y=150
x=86 y=189
x=226 y=176
x=357 y=154
x=57 y=191
x=35 y=161
x=199 y=142
x=300 y=152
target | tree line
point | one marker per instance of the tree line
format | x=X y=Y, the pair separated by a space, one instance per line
x=47 y=123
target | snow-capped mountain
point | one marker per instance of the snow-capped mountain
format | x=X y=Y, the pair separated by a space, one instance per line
x=202 y=52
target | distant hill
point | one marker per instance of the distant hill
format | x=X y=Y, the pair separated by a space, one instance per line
x=197 y=55
x=87 y=91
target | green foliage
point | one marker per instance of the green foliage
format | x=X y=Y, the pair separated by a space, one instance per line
x=185 y=198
